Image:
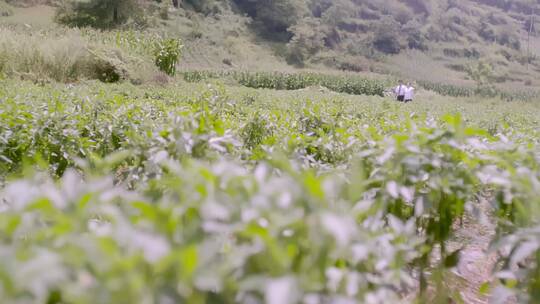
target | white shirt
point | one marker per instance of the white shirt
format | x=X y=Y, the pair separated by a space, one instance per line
x=400 y=90
x=409 y=93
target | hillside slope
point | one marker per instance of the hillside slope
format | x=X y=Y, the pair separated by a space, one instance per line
x=416 y=39
x=436 y=40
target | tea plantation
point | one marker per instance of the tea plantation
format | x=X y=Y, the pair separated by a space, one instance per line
x=201 y=192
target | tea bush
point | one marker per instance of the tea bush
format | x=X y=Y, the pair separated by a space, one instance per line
x=202 y=194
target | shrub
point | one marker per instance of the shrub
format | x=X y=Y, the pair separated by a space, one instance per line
x=275 y=16
x=403 y=14
x=387 y=43
x=487 y=32
x=308 y=39
x=386 y=38
x=158 y=9
x=167 y=54
x=5 y=10
x=509 y=39
x=107 y=66
x=203 y=6
x=227 y=61
x=416 y=40
x=350 y=65
x=482 y=74
x=164 y=12
x=97 y=13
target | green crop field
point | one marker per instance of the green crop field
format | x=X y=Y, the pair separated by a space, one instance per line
x=209 y=193
x=133 y=172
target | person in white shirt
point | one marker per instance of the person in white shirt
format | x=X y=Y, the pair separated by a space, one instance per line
x=400 y=91
x=409 y=93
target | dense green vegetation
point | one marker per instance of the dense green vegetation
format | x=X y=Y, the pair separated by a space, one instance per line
x=461 y=91
x=236 y=195
x=350 y=84
x=129 y=175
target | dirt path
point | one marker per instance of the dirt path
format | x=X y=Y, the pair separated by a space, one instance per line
x=476 y=265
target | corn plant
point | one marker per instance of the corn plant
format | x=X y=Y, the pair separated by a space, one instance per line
x=167 y=54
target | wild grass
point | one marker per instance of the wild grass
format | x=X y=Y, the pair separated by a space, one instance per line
x=37 y=16
x=62 y=59
x=5 y=10
x=66 y=55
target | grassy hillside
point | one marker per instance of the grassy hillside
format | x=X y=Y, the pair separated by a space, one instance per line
x=426 y=40
x=437 y=41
